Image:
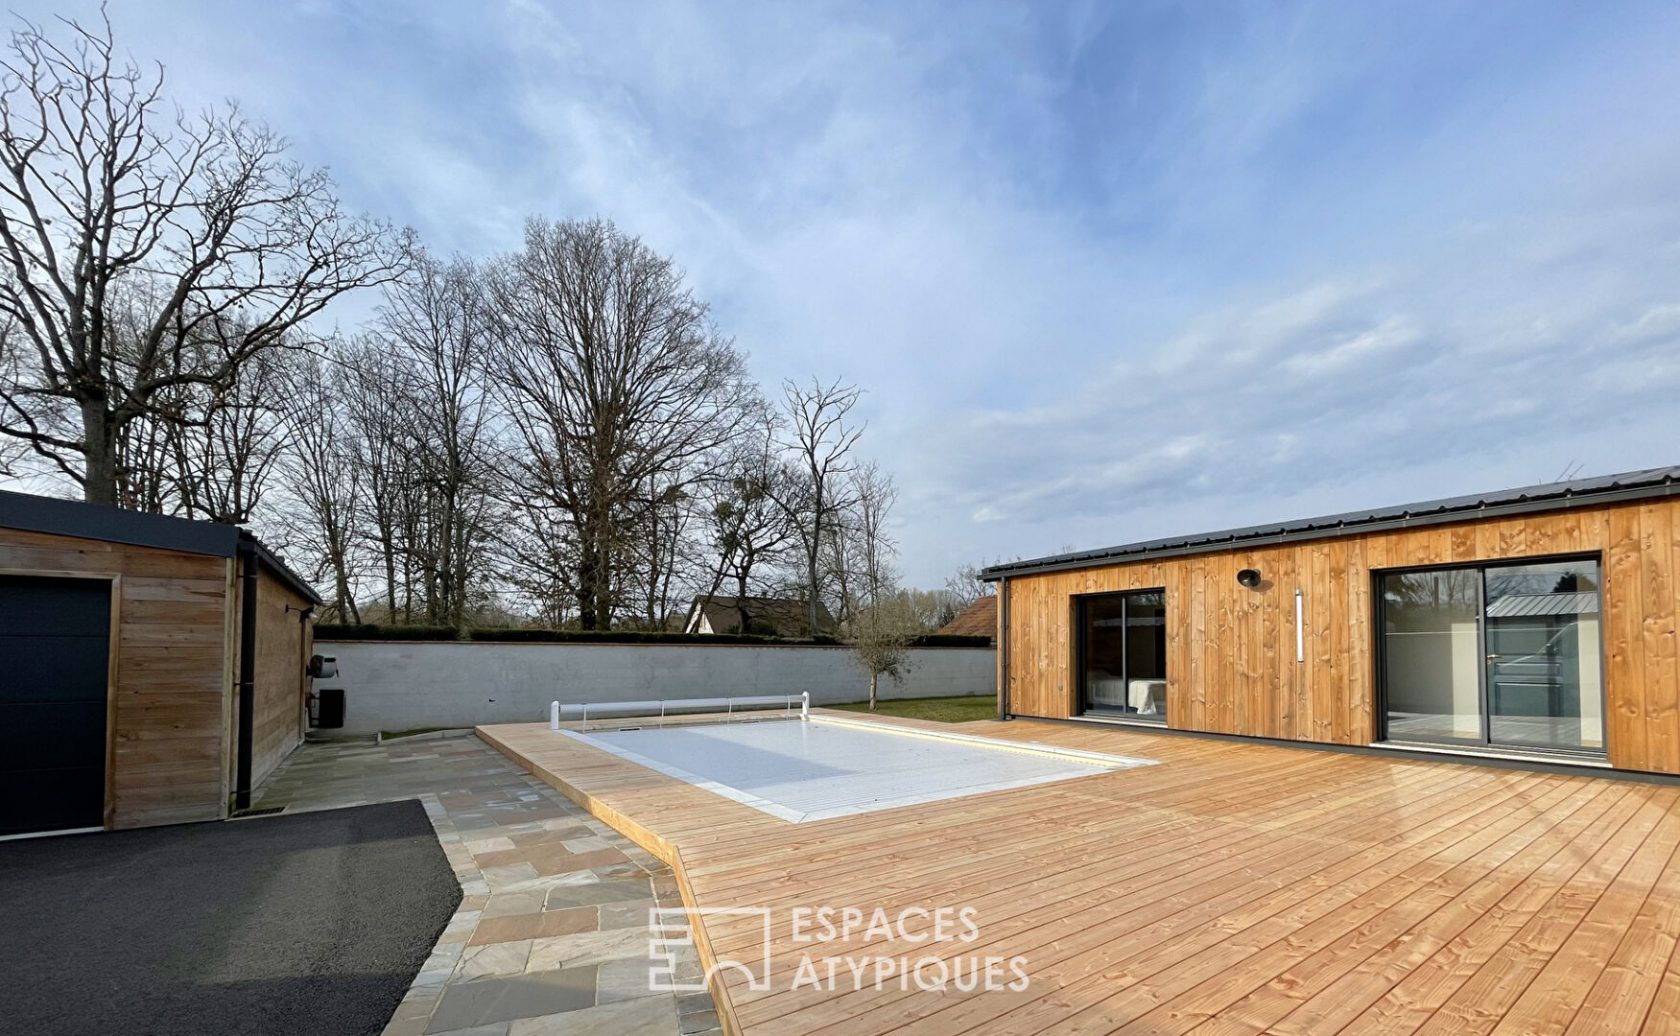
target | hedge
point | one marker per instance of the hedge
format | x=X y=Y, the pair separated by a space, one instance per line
x=951 y=640
x=529 y=636
x=368 y=631
x=332 y=631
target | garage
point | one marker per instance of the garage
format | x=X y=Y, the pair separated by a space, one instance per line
x=55 y=637
x=155 y=668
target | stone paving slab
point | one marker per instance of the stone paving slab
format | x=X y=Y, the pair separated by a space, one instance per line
x=551 y=934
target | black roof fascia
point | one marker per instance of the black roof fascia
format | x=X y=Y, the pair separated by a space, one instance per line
x=1649 y=484
x=57 y=517
x=272 y=561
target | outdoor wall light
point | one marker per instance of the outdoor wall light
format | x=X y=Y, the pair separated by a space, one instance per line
x=1249 y=577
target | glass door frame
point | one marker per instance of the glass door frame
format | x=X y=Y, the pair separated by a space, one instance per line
x=1081 y=603
x=1379 y=655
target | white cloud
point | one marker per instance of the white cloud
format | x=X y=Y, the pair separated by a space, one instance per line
x=1345 y=352
x=1657 y=323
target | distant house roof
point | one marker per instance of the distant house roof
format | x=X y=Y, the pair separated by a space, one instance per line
x=977 y=620
x=772 y=616
x=1521 y=605
x=57 y=517
x=1550 y=496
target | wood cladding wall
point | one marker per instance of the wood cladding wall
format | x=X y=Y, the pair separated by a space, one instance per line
x=283 y=644
x=170 y=676
x=1231 y=664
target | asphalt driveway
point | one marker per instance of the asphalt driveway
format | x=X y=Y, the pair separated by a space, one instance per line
x=307 y=924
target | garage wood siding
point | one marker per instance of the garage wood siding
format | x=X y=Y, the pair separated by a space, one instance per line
x=168 y=710
x=283 y=642
x=1231 y=651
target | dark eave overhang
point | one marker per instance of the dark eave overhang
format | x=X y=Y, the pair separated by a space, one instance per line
x=86 y=521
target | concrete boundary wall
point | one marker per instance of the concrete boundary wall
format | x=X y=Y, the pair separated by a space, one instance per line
x=402 y=685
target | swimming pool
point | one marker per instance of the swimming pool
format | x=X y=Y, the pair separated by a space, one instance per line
x=816 y=769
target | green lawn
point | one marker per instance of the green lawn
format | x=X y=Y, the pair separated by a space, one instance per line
x=945 y=710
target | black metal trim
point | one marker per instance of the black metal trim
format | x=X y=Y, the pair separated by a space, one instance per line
x=1379 y=656
x=1003 y=648
x=1080 y=601
x=1116 y=719
x=1081 y=649
x=1412 y=516
x=261 y=811
x=1484 y=723
x=1586 y=756
x=1380 y=648
x=247 y=678
x=272 y=562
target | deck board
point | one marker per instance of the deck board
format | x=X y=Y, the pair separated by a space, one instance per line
x=1235 y=888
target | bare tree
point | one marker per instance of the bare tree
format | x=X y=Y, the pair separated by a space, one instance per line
x=432 y=325
x=746 y=528
x=965 y=586
x=962 y=589
x=874 y=495
x=537 y=557
x=820 y=441
x=380 y=395
x=858 y=551
x=109 y=197
x=203 y=451
x=664 y=554
x=223 y=464
x=619 y=389
x=12 y=454
x=930 y=609
x=841 y=569
x=323 y=480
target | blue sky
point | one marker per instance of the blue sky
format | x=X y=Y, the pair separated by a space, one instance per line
x=1107 y=271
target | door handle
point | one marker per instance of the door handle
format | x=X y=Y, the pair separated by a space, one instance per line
x=1492 y=657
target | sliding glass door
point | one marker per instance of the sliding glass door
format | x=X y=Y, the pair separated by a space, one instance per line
x=1494 y=655
x=1123 y=655
x=1543 y=655
x=1431 y=655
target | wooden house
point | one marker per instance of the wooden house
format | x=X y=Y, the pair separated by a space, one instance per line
x=1535 y=623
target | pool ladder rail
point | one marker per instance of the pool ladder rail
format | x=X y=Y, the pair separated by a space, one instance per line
x=664 y=707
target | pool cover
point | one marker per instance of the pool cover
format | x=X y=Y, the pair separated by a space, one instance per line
x=813 y=770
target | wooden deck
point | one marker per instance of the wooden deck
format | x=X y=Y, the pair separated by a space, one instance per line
x=1238 y=888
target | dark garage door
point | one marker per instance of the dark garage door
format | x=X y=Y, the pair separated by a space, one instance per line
x=54 y=647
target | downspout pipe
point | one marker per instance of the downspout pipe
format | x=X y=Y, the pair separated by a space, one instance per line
x=247 y=673
x=1003 y=648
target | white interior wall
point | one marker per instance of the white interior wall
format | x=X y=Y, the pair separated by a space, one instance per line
x=1437 y=672
x=1592 y=682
